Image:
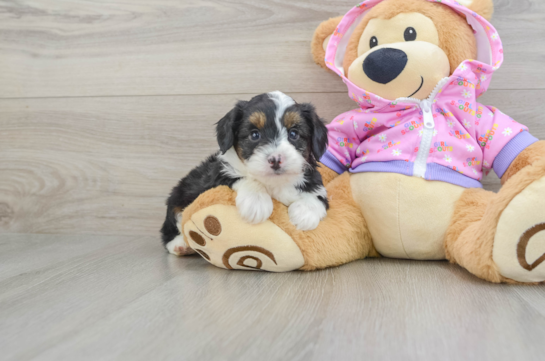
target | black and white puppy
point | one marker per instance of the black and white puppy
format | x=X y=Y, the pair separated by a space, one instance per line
x=269 y=147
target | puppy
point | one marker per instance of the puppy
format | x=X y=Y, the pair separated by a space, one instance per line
x=269 y=147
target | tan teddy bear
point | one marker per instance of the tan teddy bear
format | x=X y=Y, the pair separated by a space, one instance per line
x=403 y=170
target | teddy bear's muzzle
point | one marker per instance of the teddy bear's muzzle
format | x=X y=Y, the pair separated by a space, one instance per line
x=385 y=65
x=400 y=70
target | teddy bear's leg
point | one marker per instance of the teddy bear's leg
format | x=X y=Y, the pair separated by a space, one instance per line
x=215 y=230
x=501 y=237
x=470 y=239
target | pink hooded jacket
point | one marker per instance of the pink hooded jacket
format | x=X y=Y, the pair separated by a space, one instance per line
x=447 y=137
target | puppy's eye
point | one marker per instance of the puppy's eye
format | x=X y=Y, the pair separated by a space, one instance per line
x=255 y=136
x=373 y=42
x=293 y=135
x=410 y=34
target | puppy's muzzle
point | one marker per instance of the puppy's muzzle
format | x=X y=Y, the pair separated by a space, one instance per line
x=275 y=162
x=384 y=65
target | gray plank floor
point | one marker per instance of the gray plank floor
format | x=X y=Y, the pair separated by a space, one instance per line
x=122 y=298
x=105 y=104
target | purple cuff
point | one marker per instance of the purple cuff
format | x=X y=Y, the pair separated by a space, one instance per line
x=393 y=166
x=437 y=172
x=511 y=151
x=330 y=161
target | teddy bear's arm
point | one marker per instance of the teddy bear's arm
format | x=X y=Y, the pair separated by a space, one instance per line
x=500 y=137
x=327 y=174
x=320 y=39
x=527 y=157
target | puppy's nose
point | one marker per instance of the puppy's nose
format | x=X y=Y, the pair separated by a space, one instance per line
x=384 y=65
x=275 y=162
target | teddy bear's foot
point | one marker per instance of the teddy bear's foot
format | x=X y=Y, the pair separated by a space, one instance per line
x=519 y=244
x=219 y=234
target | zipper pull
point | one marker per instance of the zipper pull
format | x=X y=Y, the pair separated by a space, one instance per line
x=428 y=116
x=425 y=105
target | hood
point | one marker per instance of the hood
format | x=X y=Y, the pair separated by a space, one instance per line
x=489 y=55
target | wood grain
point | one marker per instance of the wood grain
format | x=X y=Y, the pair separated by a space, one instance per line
x=66 y=48
x=104 y=105
x=123 y=298
x=106 y=165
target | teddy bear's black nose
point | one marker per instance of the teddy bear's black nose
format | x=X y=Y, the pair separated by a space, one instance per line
x=384 y=65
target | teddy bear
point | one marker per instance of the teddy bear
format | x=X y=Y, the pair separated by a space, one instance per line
x=403 y=169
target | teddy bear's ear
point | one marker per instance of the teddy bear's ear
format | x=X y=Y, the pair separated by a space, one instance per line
x=321 y=38
x=485 y=8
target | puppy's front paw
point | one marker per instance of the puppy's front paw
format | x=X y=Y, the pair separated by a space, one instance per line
x=306 y=213
x=254 y=207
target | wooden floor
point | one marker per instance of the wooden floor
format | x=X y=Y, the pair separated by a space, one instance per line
x=122 y=298
x=104 y=105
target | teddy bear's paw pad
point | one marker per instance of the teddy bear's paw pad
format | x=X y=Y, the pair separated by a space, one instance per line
x=220 y=235
x=519 y=245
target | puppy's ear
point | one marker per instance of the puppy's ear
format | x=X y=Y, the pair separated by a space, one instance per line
x=318 y=130
x=226 y=128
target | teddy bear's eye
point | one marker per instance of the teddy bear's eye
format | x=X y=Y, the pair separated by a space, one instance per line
x=373 y=42
x=410 y=34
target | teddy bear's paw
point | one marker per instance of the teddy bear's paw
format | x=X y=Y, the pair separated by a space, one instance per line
x=220 y=235
x=179 y=247
x=519 y=244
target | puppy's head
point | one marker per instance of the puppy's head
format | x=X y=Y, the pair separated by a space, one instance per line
x=273 y=135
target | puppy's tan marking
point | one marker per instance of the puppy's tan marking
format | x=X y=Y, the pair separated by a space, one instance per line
x=258 y=119
x=291 y=119
x=238 y=149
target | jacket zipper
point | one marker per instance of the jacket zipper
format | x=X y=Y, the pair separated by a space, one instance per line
x=421 y=162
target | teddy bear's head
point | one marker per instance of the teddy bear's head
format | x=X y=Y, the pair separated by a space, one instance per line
x=403 y=48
